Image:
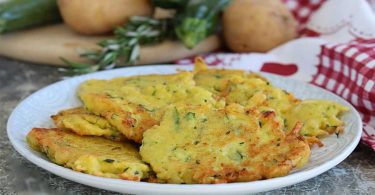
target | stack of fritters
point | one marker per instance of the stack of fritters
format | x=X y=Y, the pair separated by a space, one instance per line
x=205 y=126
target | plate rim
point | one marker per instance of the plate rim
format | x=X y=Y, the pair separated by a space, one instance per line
x=148 y=188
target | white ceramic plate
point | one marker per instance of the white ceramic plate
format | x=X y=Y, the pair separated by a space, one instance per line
x=35 y=111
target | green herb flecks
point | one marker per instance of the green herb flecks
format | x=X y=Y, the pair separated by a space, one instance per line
x=187 y=158
x=237 y=156
x=176 y=117
x=108 y=160
x=190 y=116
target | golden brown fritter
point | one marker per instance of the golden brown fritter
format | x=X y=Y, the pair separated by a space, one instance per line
x=130 y=119
x=260 y=94
x=135 y=104
x=320 y=117
x=206 y=126
x=82 y=122
x=93 y=155
x=247 y=89
x=202 y=144
x=217 y=81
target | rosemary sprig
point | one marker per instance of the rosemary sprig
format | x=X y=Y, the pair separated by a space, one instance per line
x=124 y=48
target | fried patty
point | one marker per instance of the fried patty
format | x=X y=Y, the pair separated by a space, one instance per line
x=320 y=117
x=93 y=155
x=247 y=89
x=82 y=122
x=202 y=144
x=135 y=104
x=217 y=81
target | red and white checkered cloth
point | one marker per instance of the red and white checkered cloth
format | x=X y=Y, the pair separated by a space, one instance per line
x=348 y=69
x=336 y=51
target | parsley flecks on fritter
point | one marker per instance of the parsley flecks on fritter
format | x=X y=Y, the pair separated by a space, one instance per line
x=82 y=122
x=93 y=155
x=205 y=126
x=201 y=144
x=135 y=104
x=247 y=89
x=217 y=80
x=320 y=117
x=259 y=93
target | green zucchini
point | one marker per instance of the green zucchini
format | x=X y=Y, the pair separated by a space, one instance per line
x=176 y=117
x=198 y=20
x=20 y=14
x=190 y=116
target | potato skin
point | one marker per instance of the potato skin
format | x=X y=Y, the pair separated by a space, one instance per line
x=257 y=25
x=101 y=16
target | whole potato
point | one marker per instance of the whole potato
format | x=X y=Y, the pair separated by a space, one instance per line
x=257 y=25
x=101 y=16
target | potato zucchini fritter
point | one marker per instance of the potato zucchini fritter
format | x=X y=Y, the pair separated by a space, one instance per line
x=201 y=127
x=201 y=144
x=82 y=122
x=217 y=81
x=250 y=90
x=93 y=155
x=247 y=89
x=320 y=117
x=135 y=104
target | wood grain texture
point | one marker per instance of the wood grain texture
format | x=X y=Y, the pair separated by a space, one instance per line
x=46 y=45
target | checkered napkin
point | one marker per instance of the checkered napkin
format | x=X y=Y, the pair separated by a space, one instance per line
x=335 y=50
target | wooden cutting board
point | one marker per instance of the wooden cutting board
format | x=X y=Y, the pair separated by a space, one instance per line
x=46 y=45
